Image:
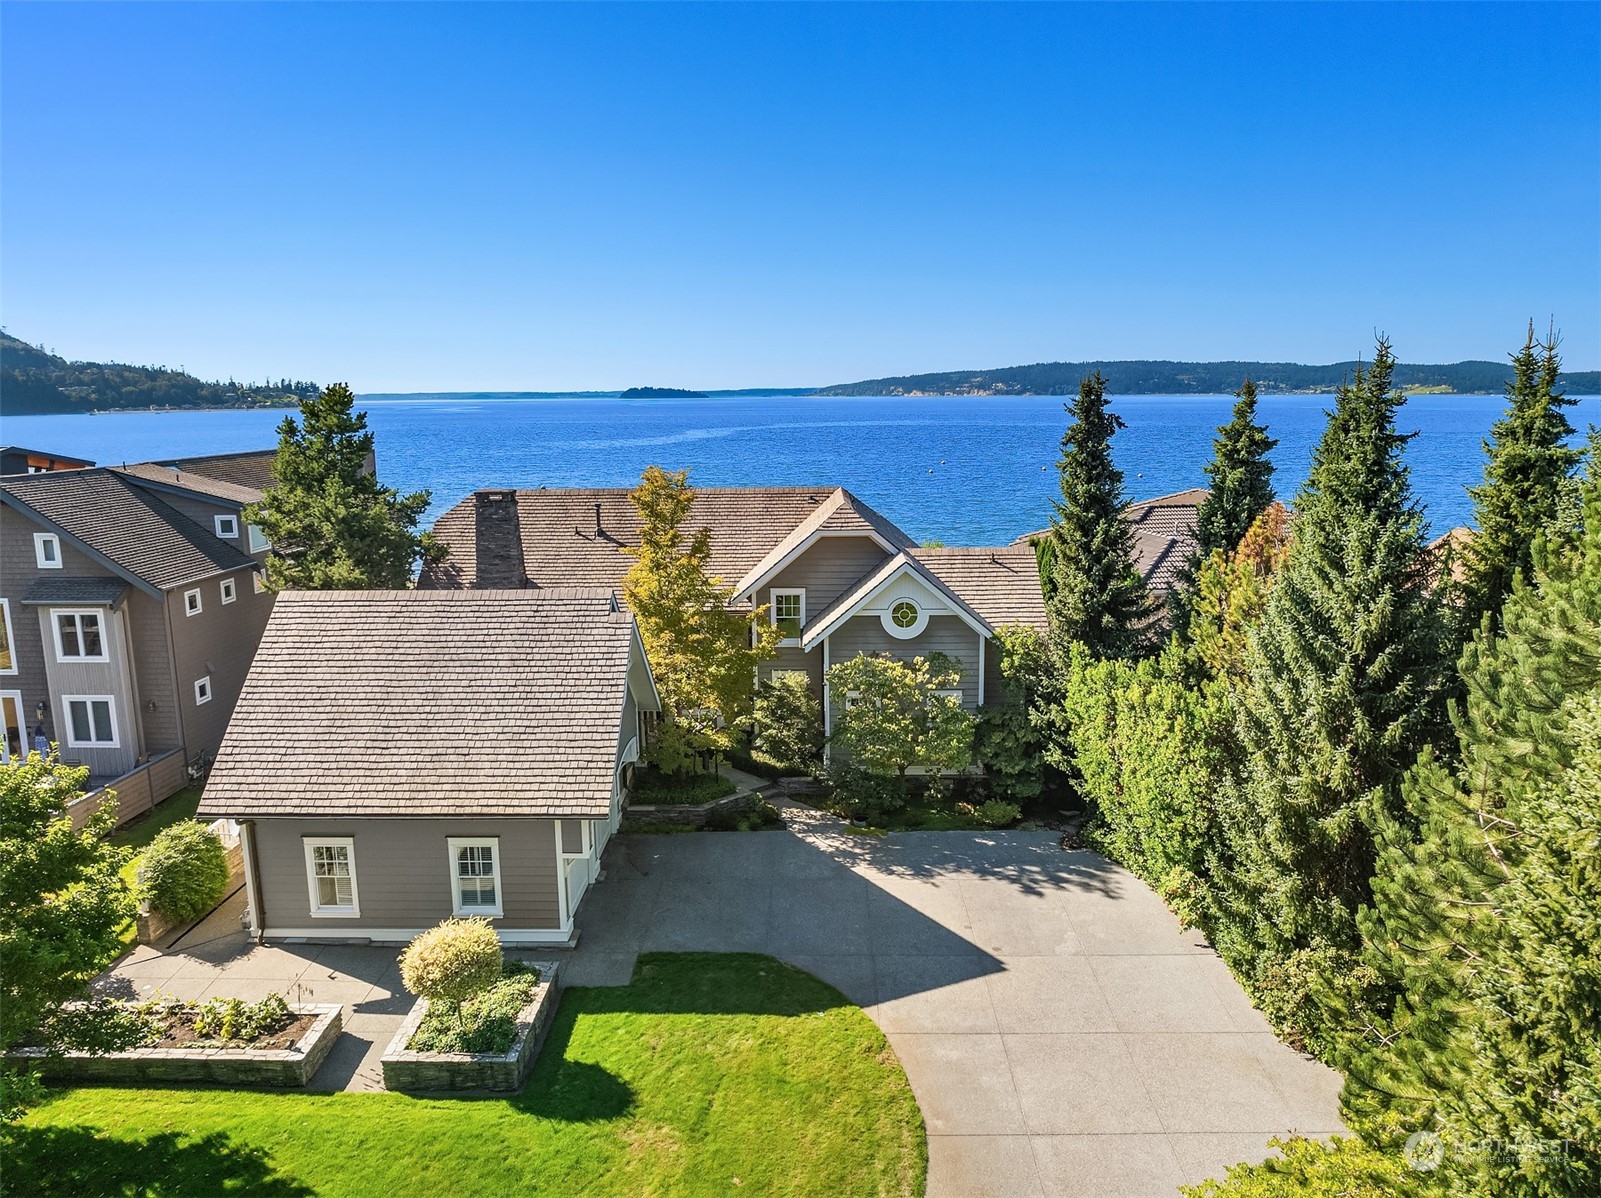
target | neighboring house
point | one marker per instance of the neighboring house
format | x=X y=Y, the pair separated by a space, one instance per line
x=131 y=601
x=400 y=757
x=839 y=577
x=1164 y=536
x=16 y=460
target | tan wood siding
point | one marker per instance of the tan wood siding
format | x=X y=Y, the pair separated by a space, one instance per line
x=403 y=872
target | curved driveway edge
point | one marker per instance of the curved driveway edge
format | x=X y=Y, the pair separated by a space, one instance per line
x=1062 y=1035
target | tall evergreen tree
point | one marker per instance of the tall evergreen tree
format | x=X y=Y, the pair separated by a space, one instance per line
x=1488 y=919
x=1094 y=594
x=1242 y=478
x=1347 y=673
x=331 y=524
x=1529 y=465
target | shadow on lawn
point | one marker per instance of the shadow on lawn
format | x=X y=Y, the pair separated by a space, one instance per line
x=79 y=1162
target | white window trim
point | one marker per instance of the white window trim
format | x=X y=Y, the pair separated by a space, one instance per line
x=454 y=844
x=22 y=722
x=781 y=673
x=258 y=582
x=318 y=911
x=951 y=694
x=11 y=640
x=40 y=540
x=916 y=628
x=202 y=685
x=230 y=523
x=772 y=610
x=256 y=539
x=79 y=612
x=229 y=589
x=111 y=708
x=193 y=593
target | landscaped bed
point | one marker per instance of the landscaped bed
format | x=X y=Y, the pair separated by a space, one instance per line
x=707 y=1074
x=490 y=1044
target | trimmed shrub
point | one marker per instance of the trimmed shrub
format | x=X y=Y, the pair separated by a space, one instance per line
x=184 y=871
x=789 y=724
x=453 y=961
x=487 y=1022
x=997 y=813
x=859 y=794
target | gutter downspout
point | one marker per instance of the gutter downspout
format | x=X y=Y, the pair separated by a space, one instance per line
x=247 y=839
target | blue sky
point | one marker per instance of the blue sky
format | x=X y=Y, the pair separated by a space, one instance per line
x=546 y=197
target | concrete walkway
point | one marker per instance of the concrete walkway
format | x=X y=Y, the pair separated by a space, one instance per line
x=1062 y=1035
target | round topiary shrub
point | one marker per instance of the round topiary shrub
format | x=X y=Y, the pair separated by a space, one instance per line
x=184 y=871
x=452 y=962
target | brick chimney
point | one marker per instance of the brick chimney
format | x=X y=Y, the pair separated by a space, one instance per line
x=500 y=541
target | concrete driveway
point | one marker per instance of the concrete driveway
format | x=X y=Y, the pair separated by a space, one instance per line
x=1062 y=1035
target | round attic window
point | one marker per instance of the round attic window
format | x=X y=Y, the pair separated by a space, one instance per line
x=904 y=619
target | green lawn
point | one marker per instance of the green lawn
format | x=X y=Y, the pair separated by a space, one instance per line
x=710 y=1074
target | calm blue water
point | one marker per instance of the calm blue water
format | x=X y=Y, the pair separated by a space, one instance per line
x=959 y=469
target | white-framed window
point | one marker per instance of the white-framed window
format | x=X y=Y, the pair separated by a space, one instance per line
x=230 y=590
x=331 y=875
x=789 y=675
x=191 y=602
x=8 y=655
x=475 y=876
x=80 y=635
x=256 y=539
x=258 y=582
x=227 y=527
x=852 y=698
x=91 y=722
x=203 y=690
x=14 y=744
x=904 y=618
x=957 y=695
x=787 y=610
x=47 y=550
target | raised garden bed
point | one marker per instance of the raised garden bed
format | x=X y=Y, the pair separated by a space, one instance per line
x=288 y=1055
x=415 y=1072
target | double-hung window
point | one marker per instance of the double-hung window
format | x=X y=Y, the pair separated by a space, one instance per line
x=475 y=876
x=90 y=722
x=331 y=875
x=788 y=613
x=80 y=636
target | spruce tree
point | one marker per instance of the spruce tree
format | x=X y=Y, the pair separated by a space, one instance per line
x=1095 y=595
x=1242 y=478
x=332 y=526
x=1487 y=918
x=1529 y=464
x=1347 y=674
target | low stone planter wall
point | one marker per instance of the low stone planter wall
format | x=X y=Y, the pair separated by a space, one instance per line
x=650 y=815
x=438 y=1072
x=224 y=1066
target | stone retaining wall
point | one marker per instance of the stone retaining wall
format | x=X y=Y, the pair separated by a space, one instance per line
x=438 y=1072
x=650 y=815
x=224 y=1066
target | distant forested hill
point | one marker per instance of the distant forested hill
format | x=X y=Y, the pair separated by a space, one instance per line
x=1201 y=378
x=36 y=383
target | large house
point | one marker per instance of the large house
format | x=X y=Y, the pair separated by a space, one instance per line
x=131 y=601
x=837 y=576
x=400 y=757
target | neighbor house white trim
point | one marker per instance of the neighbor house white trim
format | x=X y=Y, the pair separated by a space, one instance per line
x=258 y=582
x=77 y=614
x=203 y=690
x=47 y=550
x=26 y=744
x=319 y=910
x=456 y=844
x=256 y=539
x=227 y=527
x=89 y=702
x=192 y=603
x=229 y=589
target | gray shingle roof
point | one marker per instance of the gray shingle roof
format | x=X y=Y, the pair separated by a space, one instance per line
x=188 y=480
x=1164 y=535
x=130 y=527
x=92 y=592
x=252 y=469
x=574 y=537
x=1001 y=584
x=428 y=704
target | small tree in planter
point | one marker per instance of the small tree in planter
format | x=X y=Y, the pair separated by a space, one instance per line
x=184 y=871
x=897 y=714
x=452 y=962
x=789 y=723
